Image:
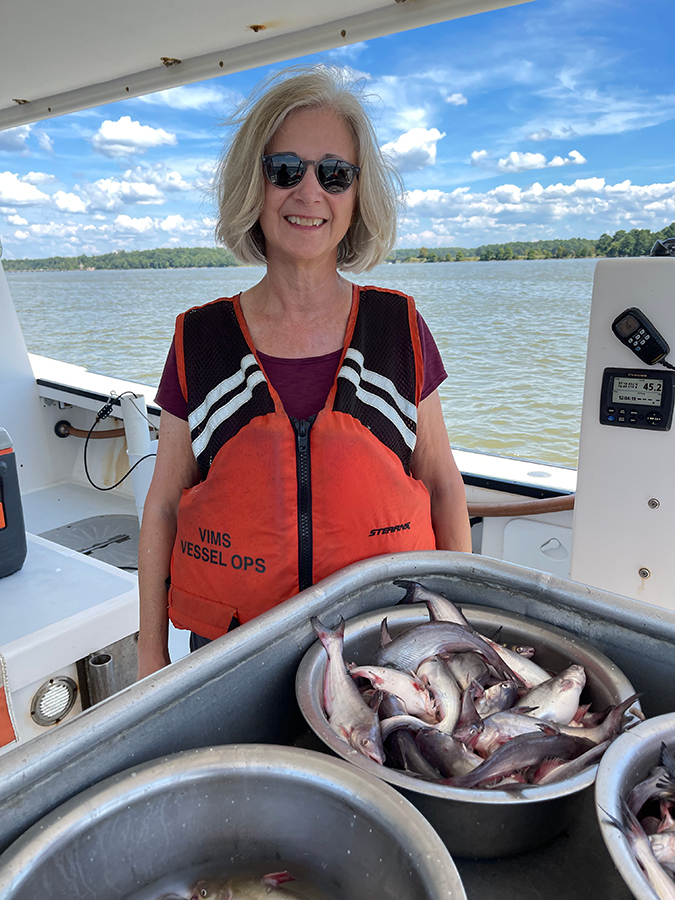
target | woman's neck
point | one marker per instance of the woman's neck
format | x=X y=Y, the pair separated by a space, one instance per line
x=299 y=316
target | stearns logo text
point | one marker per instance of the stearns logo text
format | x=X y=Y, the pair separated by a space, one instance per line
x=389 y=529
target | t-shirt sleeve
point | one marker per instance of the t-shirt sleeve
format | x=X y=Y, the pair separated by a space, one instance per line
x=169 y=394
x=434 y=370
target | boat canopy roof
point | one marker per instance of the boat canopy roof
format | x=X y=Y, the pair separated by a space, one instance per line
x=57 y=58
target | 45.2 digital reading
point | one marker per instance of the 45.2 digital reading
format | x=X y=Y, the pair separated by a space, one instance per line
x=636 y=398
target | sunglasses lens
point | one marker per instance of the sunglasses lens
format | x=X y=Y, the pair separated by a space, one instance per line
x=284 y=170
x=335 y=175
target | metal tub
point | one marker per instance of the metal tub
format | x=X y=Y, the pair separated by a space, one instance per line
x=241 y=689
x=472 y=823
x=626 y=763
x=239 y=809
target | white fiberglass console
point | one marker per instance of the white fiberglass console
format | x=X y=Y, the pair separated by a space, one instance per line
x=624 y=518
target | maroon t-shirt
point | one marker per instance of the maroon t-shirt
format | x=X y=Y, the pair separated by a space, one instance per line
x=302 y=384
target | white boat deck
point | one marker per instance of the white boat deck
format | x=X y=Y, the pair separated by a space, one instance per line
x=62 y=504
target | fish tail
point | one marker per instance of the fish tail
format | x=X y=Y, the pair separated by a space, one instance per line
x=409 y=587
x=327 y=635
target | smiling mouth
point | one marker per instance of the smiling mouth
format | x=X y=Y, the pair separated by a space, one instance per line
x=298 y=220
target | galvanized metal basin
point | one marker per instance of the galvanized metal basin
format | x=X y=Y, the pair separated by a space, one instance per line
x=472 y=823
x=626 y=763
x=247 y=808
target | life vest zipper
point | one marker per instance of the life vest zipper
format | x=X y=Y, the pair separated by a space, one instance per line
x=302 y=429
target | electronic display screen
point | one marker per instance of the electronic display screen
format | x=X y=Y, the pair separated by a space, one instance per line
x=640 y=391
x=627 y=326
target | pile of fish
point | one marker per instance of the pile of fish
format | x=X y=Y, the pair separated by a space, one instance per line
x=452 y=706
x=649 y=826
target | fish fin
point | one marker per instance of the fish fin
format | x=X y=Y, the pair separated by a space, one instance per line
x=385 y=637
x=274 y=879
x=611 y=820
x=581 y=712
x=498 y=634
x=548 y=728
x=432 y=616
x=375 y=700
x=666 y=759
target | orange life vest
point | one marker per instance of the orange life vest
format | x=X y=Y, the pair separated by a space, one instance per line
x=282 y=503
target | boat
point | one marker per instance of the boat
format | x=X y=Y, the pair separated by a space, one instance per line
x=69 y=615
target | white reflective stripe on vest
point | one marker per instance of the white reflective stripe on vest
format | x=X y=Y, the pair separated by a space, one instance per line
x=385 y=384
x=380 y=404
x=218 y=417
x=229 y=384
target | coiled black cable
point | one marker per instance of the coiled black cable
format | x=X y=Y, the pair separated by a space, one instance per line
x=103 y=413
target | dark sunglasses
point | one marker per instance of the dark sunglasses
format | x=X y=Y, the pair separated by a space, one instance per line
x=286 y=170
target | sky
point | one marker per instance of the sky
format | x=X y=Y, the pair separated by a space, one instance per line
x=552 y=119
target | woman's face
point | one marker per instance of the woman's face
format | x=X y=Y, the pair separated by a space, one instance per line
x=306 y=223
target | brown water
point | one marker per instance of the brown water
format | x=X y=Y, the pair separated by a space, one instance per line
x=512 y=335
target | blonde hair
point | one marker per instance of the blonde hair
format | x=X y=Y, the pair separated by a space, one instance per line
x=239 y=183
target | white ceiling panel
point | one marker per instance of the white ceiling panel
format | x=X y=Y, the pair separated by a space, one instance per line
x=57 y=57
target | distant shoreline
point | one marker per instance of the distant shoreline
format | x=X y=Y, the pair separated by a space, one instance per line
x=637 y=242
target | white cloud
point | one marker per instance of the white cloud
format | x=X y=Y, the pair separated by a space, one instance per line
x=110 y=194
x=69 y=202
x=15 y=140
x=22 y=235
x=588 y=206
x=45 y=142
x=579 y=113
x=545 y=134
x=456 y=100
x=574 y=159
x=173 y=223
x=126 y=223
x=17 y=192
x=516 y=161
x=126 y=137
x=521 y=162
x=415 y=149
x=39 y=178
x=159 y=175
x=53 y=229
x=16 y=220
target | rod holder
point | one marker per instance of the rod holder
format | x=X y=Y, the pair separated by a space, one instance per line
x=101 y=677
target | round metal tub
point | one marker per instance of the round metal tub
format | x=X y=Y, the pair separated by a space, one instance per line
x=472 y=823
x=625 y=764
x=237 y=809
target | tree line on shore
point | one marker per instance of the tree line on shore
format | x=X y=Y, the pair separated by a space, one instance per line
x=637 y=242
x=162 y=258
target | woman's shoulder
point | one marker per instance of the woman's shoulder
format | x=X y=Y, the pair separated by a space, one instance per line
x=211 y=304
x=382 y=290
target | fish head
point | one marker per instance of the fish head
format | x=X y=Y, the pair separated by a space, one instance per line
x=469 y=734
x=574 y=678
x=207 y=889
x=368 y=742
x=522 y=650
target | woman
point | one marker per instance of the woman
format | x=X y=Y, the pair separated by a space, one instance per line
x=307 y=431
